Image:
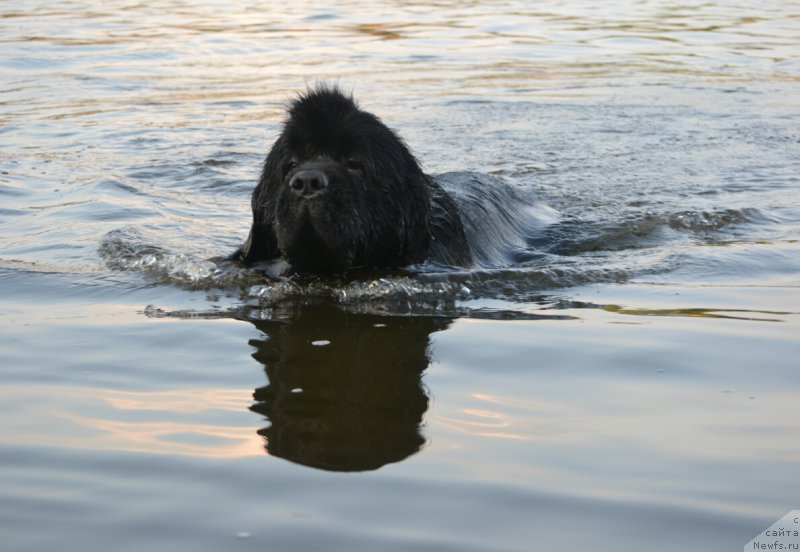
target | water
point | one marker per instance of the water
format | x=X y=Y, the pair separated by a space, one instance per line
x=633 y=385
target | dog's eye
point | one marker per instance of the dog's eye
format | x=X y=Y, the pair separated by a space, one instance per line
x=289 y=166
x=355 y=165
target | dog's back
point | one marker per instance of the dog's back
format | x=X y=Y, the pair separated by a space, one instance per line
x=498 y=218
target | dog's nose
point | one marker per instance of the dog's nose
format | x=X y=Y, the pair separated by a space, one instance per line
x=309 y=183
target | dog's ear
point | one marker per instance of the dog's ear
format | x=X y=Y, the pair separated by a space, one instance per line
x=261 y=244
x=416 y=230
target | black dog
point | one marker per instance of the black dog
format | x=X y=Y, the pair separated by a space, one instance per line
x=340 y=190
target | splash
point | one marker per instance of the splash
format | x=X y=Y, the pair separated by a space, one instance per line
x=571 y=252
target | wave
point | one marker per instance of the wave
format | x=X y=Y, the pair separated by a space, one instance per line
x=570 y=252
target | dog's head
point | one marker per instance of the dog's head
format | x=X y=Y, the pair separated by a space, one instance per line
x=340 y=189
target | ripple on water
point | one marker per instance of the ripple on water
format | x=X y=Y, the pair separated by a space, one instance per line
x=569 y=253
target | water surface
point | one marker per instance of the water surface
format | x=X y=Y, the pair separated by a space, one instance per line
x=632 y=385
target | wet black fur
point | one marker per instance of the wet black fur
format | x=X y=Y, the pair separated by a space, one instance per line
x=378 y=210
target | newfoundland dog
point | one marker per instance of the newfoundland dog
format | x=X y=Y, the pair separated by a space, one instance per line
x=340 y=190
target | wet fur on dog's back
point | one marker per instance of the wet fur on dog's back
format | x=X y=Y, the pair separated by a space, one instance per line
x=340 y=190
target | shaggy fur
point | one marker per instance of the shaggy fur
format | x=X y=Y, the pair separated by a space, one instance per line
x=340 y=190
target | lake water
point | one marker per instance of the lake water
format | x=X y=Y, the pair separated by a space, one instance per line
x=635 y=386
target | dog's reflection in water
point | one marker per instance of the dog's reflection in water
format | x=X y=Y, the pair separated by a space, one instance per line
x=345 y=390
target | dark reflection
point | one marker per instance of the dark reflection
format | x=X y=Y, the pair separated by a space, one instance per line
x=345 y=390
